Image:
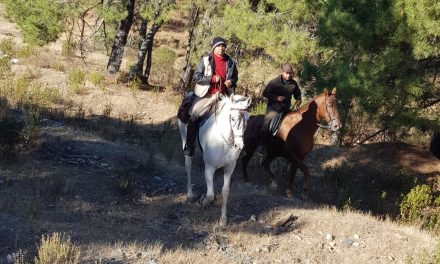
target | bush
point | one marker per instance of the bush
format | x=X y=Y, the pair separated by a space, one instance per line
x=7 y=47
x=419 y=206
x=40 y=21
x=76 y=81
x=417 y=199
x=163 y=66
x=5 y=67
x=55 y=249
x=97 y=79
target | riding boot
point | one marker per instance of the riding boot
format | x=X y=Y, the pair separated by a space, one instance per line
x=264 y=141
x=191 y=134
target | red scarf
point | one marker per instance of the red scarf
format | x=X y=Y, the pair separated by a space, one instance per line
x=219 y=70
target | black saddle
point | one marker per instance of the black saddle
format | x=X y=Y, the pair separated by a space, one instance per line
x=275 y=123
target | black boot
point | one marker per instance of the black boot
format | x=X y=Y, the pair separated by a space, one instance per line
x=191 y=133
x=264 y=141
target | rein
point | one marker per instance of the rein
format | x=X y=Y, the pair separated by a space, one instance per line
x=331 y=118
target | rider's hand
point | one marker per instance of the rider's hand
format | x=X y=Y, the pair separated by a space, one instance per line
x=297 y=104
x=280 y=98
x=215 y=79
x=228 y=83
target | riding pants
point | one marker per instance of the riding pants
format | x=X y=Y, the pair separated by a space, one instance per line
x=201 y=105
x=270 y=113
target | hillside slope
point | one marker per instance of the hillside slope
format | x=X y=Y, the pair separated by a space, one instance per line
x=70 y=183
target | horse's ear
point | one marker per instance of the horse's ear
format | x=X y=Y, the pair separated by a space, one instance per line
x=334 y=90
x=325 y=91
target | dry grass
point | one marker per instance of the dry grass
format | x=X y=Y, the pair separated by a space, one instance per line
x=55 y=249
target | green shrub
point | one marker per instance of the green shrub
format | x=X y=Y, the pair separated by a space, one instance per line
x=30 y=95
x=163 y=66
x=419 y=206
x=40 y=21
x=26 y=51
x=76 y=80
x=97 y=79
x=5 y=67
x=57 y=249
x=59 y=66
x=134 y=85
x=7 y=47
x=415 y=201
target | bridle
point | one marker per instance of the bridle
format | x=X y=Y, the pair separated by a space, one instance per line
x=331 y=114
x=236 y=121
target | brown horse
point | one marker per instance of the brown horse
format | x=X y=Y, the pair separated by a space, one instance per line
x=294 y=139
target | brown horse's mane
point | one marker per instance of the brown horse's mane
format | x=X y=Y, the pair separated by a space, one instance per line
x=303 y=108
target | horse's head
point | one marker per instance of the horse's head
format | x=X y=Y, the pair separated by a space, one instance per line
x=331 y=114
x=238 y=118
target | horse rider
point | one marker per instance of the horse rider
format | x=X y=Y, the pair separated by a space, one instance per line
x=221 y=79
x=279 y=93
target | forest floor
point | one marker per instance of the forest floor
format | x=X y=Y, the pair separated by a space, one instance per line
x=69 y=182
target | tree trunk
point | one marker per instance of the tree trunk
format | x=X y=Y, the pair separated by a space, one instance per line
x=186 y=74
x=149 y=43
x=115 y=59
x=137 y=68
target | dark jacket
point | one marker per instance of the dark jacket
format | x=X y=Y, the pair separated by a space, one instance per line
x=231 y=73
x=279 y=87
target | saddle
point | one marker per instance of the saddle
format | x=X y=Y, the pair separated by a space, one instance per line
x=183 y=112
x=275 y=123
x=185 y=106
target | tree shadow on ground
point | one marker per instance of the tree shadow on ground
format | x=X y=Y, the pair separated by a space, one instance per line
x=102 y=180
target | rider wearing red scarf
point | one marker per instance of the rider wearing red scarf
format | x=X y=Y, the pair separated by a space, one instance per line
x=222 y=78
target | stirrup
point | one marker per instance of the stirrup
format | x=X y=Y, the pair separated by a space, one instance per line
x=188 y=151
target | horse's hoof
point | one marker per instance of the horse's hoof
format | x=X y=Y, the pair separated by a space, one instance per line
x=205 y=201
x=223 y=222
x=191 y=199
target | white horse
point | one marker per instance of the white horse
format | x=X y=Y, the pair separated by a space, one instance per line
x=221 y=140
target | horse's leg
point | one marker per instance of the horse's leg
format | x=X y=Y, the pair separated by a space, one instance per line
x=228 y=169
x=297 y=163
x=266 y=165
x=245 y=160
x=209 y=177
x=290 y=178
x=188 y=166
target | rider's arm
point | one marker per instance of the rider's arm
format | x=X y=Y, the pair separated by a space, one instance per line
x=296 y=91
x=269 y=92
x=199 y=74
